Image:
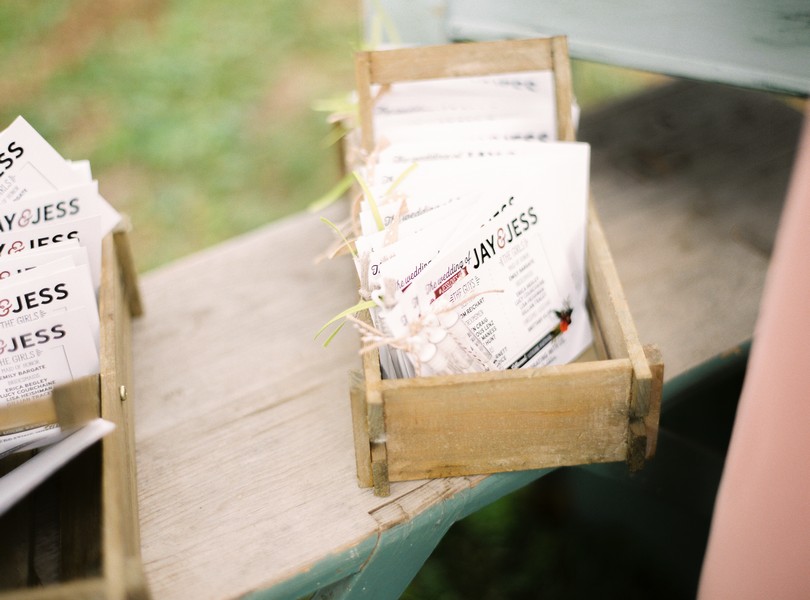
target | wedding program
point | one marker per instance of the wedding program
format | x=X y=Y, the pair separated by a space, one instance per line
x=470 y=228
x=52 y=221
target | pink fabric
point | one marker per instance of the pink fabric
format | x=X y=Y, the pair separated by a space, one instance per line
x=759 y=545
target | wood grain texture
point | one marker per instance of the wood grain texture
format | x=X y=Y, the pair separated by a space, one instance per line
x=611 y=312
x=77 y=402
x=91 y=588
x=123 y=252
x=120 y=525
x=563 y=88
x=508 y=420
x=246 y=462
x=651 y=419
x=244 y=431
x=360 y=429
x=37 y=412
x=15 y=531
x=459 y=60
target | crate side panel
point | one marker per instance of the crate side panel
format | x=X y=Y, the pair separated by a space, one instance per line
x=616 y=326
x=120 y=533
x=510 y=421
x=362 y=444
x=460 y=60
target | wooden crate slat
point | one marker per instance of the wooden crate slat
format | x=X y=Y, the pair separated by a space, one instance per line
x=508 y=420
x=459 y=60
x=616 y=323
x=120 y=541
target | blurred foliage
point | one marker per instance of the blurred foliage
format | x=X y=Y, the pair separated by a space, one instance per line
x=195 y=115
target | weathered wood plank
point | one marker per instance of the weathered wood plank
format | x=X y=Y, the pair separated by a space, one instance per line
x=15 y=531
x=689 y=181
x=459 y=60
x=244 y=436
x=507 y=420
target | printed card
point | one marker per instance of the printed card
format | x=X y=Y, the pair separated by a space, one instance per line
x=22 y=480
x=86 y=231
x=34 y=357
x=501 y=286
x=506 y=293
x=33 y=296
x=30 y=166
x=51 y=208
x=23 y=262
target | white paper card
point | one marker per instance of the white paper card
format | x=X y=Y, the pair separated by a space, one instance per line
x=21 y=481
x=36 y=356
x=30 y=166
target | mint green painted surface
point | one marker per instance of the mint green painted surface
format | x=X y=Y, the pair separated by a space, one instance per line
x=381 y=567
x=760 y=44
x=675 y=386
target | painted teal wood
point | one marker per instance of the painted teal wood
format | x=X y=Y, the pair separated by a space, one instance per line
x=333 y=568
x=750 y=43
x=403 y=549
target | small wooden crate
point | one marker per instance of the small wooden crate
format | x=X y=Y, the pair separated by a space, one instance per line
x=81 y=525
x=603 y=408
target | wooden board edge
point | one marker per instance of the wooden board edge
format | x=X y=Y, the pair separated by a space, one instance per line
x=120 y=530
x=613 y=314
x=123 y=251
x=362 y=444
x=463 y=59
x=380 y=470
x=651 y=420
x=362 y=75
x=563 y=88
x=29 y=414
x=509 y=421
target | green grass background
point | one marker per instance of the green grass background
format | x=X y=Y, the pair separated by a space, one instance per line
x=196 y=115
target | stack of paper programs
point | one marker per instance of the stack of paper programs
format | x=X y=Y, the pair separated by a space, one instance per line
x=52 y=220
x=471 y=228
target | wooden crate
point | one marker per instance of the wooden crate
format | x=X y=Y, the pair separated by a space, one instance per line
x=603 y=408
x=81 y=525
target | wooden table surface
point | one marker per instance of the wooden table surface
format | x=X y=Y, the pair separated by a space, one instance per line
x=244 y=446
